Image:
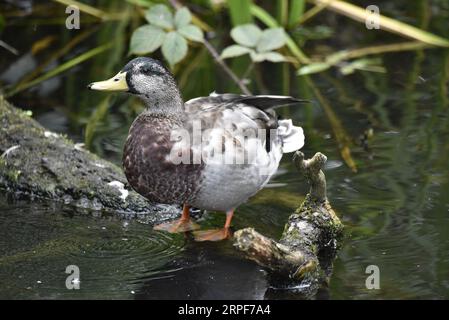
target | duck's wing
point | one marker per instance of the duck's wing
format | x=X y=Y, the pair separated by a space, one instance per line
x=263 y=102
x=231 y=114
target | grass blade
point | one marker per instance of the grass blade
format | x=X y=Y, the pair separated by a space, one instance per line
x=98 y=115
x=340 y=133
x=240 y=11
x=86 y=9
x=282 y=12
x=297 y=8
x=58 y=54
x=311 y=13
x=343 y=55
x=388 y=24
x=63 y=67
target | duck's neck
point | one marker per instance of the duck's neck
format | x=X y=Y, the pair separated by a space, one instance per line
x=168 y=102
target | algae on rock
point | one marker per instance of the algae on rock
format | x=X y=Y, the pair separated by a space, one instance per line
x=41 y=164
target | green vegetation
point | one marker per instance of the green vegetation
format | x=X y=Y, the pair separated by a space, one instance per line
x=257 y=43
x=168 y=31
x=243 y=37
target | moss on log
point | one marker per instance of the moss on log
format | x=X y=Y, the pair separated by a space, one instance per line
x=41 y=164
x=308 y=244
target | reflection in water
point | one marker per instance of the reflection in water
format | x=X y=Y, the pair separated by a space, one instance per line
x=206 y=271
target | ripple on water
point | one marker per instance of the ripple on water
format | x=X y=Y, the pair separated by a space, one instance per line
x=38 y=242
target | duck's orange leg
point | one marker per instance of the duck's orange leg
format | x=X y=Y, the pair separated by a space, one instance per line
x=183 y=224
x=216 y=234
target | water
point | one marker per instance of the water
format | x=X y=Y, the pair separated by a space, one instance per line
x=395 y=207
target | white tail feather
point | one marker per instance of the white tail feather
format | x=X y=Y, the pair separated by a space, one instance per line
x=292 y=136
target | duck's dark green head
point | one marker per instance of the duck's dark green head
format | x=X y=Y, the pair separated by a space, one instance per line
x=140 y=76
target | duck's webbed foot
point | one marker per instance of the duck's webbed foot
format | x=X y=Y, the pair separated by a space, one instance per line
x=212 y=235
x=216 y=234
x=183 y=224
x=179 y=225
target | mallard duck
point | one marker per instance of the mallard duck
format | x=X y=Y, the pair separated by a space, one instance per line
x=211 y=153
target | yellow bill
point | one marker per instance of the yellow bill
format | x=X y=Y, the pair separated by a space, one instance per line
x=116 y=83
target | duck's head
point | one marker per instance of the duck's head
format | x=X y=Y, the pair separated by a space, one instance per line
x=144 y=77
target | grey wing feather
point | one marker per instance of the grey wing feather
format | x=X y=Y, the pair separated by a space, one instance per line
x=263 y=102
x=220 y=110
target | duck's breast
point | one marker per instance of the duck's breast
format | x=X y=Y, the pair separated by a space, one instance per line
x=148 y=168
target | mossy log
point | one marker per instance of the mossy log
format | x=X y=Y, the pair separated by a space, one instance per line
x=41 y=164
x=309 y=240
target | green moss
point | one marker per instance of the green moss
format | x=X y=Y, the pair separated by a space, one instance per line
x=48 y=166
x=11 y=174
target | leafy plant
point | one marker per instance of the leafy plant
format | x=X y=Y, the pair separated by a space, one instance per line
x=166 y=31
x=257 y=43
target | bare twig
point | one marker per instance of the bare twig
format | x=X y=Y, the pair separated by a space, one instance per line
x=9 y=48
x=225 y=68
x=175 y=4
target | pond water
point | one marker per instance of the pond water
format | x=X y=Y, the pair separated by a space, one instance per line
x=393 y=197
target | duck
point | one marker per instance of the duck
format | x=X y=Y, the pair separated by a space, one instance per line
x=211 y=153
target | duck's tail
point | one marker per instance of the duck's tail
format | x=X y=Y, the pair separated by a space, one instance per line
x=292 y=136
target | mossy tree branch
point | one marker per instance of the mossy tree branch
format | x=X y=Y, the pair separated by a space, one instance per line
x=310 y=230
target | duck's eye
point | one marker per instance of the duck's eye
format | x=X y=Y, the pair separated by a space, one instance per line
x=116 y=79
x=146 y=70
x=151 y=71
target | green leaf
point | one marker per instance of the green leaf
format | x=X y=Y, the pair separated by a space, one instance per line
x=269 y=21
x=182 y=17
x=160 y=15
x=146 y=39
x=268 y=56
x=271 y=39
x=247 y=35
x=367 y=64
x=313 y=68
x=235 y=51
x=174 y=47
x=192 y=32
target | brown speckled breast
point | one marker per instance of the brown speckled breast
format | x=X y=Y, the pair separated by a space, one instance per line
x=147 y=167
